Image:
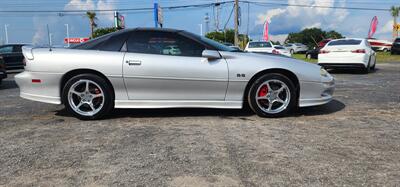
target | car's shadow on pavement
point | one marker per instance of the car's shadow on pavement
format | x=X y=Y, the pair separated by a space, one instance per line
x=329 y=108
x=332 y=107
x=8 y=84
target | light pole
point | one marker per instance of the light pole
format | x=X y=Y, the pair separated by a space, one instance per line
x=6 y=30
x=66 y=25
x=50 y=39
x=201 y=29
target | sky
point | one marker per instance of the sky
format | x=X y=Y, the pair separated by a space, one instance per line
x=31 y=27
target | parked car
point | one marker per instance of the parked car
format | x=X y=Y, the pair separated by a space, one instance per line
x=313 y=53
x=380 y=45
x=348 y=53
x=126 y=69
x=396 y=47
x=232 y=46
x=260 y=46
x=281 y=50
x=296 y=48
x=12 y=56
x=3 y=73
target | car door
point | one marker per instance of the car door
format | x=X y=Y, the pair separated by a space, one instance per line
x=162 y=65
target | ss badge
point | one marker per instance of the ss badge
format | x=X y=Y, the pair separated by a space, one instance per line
x=240 y=75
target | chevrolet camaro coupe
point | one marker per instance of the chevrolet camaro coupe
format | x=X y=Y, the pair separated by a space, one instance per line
x=134 y=68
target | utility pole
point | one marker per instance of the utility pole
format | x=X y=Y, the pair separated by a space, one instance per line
x=201 y=29
x=66 y=25
x=207 y=22
x=236 y=22
x=217 y=7
x=6 y=30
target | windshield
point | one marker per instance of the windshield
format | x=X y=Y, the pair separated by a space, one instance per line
x=259 y=45
x=218 y=46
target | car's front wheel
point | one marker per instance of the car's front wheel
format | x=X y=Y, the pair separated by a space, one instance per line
x=272 y=95
x=88 y=97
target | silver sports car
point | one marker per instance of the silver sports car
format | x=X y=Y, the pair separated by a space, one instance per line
x=138 y=68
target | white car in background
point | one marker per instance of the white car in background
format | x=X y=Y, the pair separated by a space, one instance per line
x=296 y=48
x=348 y=53
x=266 y=47
x=281 y=50
x=261 y=46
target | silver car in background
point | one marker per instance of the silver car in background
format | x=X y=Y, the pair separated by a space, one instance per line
x=135 y=68
x=296 y=48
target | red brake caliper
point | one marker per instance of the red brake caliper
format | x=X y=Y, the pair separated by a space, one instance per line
x=97 y=91
x=263 y=91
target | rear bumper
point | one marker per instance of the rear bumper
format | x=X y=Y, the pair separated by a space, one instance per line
x=342 y=65
x=47 y=91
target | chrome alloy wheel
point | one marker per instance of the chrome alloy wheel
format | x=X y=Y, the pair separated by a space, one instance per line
x=86 y=97
x=273 y=96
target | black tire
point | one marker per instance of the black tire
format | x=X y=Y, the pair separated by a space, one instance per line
x=308 y=56
x=373 y=66
x=292 y=51
x=108 y=96
x=367 y=69
x=385 y=50
x=272 y=76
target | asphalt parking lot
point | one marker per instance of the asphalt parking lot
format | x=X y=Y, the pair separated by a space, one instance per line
x=353 y=141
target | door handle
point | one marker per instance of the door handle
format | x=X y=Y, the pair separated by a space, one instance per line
x=134 y=62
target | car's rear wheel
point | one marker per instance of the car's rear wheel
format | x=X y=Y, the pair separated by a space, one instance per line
x=308 y=56
x=88 y=97
x=292 y=51
x=272 y=95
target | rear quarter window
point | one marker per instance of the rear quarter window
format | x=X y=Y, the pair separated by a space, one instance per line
x=345 y=42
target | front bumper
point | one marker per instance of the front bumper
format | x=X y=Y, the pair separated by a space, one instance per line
x=316 y=93
x=47 y=91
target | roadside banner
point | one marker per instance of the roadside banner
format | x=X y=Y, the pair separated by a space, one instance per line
x=372 y=29
x=266 y=31
x=75 y=40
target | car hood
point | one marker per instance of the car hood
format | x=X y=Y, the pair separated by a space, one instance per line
x=305 y=71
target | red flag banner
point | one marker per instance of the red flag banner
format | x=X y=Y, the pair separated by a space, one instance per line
x=372 y=29
x=266 y=31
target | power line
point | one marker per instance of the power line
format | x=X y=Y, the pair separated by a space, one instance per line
x=196 y=6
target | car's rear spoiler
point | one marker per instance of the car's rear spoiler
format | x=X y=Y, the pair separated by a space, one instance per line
x=27 y=51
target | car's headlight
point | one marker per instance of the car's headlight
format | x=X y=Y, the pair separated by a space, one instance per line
x=323 y=72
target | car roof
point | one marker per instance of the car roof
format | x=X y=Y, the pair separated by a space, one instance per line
x=152 y=29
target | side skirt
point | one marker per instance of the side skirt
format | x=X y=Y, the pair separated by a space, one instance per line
x=177 y=104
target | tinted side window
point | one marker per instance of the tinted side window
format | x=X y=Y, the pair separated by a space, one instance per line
x=6 y=49
x=114 y=43
x=163 y=43
x=17 y=49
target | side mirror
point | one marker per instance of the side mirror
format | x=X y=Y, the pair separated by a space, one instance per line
x=211 y=54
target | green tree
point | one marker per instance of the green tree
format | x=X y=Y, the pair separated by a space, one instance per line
x=311 y=36
x=92 y=20
x=228 y=36
x=395 y=13
x=102 y=31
